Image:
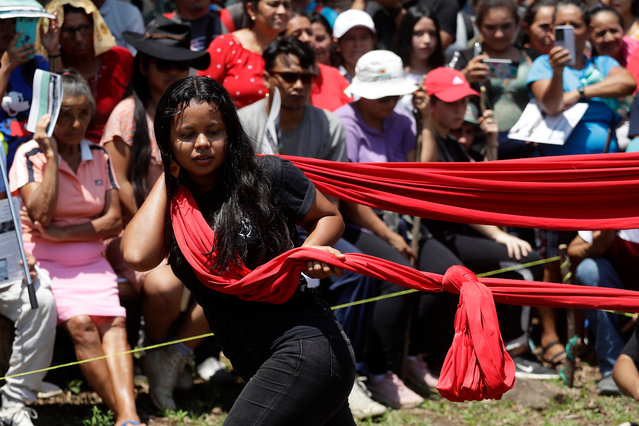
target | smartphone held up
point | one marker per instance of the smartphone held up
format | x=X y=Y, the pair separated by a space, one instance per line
x=565 y=37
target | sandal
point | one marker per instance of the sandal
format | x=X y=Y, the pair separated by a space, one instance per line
x=558 y=358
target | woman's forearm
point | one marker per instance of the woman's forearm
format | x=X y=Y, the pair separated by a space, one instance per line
x=550 y=93
x=618 y=82
x=323 y=222
x=143 y=243
x=41 y=199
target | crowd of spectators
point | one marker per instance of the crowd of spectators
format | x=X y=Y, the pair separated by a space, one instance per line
x=361 y=81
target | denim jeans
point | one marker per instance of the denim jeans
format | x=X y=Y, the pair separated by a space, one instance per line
x=303 y=382
x=598 y=272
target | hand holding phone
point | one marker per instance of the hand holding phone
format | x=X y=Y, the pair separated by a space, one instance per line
x=501 y=68
x=27 y=26
x=565 y=37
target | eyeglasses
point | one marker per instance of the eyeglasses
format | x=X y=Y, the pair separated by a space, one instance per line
x=387 y=99
x=276 y=4
x=69 y=32
x=163 y=65
x=293 y=77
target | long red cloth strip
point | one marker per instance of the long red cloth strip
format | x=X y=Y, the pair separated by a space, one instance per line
x=596 y=191
x=477 y=365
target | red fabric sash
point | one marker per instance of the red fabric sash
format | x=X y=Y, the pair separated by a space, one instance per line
x=599 y=191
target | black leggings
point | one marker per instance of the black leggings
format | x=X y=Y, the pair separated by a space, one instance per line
x=303 y=382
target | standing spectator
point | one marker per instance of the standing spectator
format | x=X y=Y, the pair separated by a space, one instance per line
x=204 y=18
x=86 y=45
x=163 y=58
x=629 y=11
x=236 y=58
x=354 y=34
x=329 y=84
x=537 y=28
x=607 y=37
x=419 y=45
x=32 y=347
x=325 y=49
x=66 y=232
x=121 y=16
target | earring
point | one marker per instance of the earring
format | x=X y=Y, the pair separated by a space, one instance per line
x=252 y=18
x=175 y=169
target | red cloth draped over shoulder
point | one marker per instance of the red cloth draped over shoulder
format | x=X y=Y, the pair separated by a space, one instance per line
x=477 y=365
x=596 y=191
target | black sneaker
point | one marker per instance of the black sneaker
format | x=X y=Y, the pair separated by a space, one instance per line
x=528 y=369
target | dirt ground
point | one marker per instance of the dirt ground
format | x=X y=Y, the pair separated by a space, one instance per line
x=531 y=402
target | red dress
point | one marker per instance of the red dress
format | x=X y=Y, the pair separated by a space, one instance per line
x=238 y=69
x=108 y=86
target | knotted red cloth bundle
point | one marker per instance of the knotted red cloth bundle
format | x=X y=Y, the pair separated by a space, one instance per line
x=595 y=191
x=477 y=365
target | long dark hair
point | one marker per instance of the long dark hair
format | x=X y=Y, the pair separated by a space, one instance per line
x=404 y=39
x=141 y=146
x=243 y=185
x=486 y=5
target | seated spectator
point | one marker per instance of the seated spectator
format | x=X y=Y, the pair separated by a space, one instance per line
x=32 y=347
x=354 y=35
x=607 y=36
x=629 y=11
x=204 y=19
x=626 y=372
x=120 y=16
x=606 y=259
x=478 y=135
x=557 y=85
x=17 y=67
x=497 y=21
x=236 y=58
x=536 y=24
x=419 y=45
x=443 y=104
x=70 y=205
x=388 y=13
x=329 y=83
x=163 y=58
x=87 y=46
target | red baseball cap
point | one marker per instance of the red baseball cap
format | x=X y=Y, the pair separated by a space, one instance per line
x=447 y=84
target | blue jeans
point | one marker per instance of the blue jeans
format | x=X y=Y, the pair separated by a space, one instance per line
x=303 y=382
x=598 y=272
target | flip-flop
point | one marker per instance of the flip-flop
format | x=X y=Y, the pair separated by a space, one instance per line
x=131 y=422
x=557 y=358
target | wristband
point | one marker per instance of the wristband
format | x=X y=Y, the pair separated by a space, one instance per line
x=582 y=94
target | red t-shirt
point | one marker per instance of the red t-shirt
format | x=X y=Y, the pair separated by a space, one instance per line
x=238 y=69
x=328 y=89
x=113 y=76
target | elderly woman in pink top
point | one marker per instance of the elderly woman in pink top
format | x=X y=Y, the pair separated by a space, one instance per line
x=70 y=205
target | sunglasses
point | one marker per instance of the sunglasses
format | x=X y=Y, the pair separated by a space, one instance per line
x=293 y=77
x=387 y=99
x=69 y=32
x=164 y=65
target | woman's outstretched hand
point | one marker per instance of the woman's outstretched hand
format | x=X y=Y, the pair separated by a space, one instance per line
x=319 y=270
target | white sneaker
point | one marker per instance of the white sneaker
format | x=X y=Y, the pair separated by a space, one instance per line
x=418 y=374
x=162 y=367
x=48 y=390
x=360 y=402
x=392 y=391
x=17 y=415
x=211 y=369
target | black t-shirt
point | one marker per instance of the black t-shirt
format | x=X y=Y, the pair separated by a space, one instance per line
x=632 y=347
x=245 y=330
x=449 y=149
x=203 y=30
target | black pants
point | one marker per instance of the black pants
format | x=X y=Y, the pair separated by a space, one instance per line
x=303 y=382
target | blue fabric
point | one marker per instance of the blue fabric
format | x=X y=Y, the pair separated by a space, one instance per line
x=16 y=104
x=326 y=12
x=3 y=158
x=590 y=135
x=598 y=272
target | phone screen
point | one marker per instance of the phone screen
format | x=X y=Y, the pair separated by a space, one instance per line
x=503 y=69
x=28 y=28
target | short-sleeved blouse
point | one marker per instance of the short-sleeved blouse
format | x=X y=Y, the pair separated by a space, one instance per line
x=591 y=134
x=82 y=195
x=109 y=85
x=238 y=69
x=121 y=123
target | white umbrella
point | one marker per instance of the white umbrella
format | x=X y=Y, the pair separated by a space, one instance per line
x=22 y=9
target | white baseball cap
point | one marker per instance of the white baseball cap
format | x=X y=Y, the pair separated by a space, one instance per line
x=352 y=18
x=379 y=73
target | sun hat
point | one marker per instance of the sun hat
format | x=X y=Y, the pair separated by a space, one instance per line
x=379 y=73
x=447 y=84
x=23 y=9
x=352 y=18
x=168 y=40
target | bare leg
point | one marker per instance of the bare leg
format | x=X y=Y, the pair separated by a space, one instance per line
x=547 y=315
x=113 y=330
x=193 y=324
x=87 y=344
x=161 y=304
